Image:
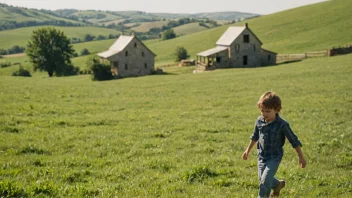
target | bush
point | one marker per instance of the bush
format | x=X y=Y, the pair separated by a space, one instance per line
x=21 y=72
x=99 y=70
x=5 y=64
x=181 y=53
x=85 y=51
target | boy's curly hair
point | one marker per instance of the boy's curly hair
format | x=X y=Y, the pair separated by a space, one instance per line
x=270 y=100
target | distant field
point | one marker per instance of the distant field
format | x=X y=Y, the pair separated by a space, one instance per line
x=114 y=22
x=20 y=36
x=92 y=16
x=173 y=135
x=188 y=28
x=146 y=26
x=22 y=15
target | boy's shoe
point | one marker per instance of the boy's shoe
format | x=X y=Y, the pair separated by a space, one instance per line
x=277 y=189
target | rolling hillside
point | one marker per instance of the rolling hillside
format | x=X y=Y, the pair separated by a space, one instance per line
x=16 y=17
x=21 y=36
x=315 y=27
x=309 y=28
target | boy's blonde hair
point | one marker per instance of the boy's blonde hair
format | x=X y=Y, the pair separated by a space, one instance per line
x=269 y=100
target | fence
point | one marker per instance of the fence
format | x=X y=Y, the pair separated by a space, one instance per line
x=297 y=57
x=280 y=58
x=167 y=65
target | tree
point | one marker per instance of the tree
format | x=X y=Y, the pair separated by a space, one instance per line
x=84 y=52
x=181 y=53
x=50 y=50
x=169 y=34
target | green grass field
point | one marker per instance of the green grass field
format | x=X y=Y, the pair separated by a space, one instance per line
x=189 y=29
x=146 y=26
x=173 y=135
x=21 y=36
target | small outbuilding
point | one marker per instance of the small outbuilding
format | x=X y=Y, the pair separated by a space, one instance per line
x=237 y=47
x=128 y=57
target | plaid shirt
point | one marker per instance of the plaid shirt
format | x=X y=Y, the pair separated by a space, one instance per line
x=271 y=137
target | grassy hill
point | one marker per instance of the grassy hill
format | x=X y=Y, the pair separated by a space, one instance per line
x=315 y=27
x=146 y=26
x=189 y=29
x=21 y=36
x=20 y=14
x=309 y=28
x=173 y=135
x=96 y=16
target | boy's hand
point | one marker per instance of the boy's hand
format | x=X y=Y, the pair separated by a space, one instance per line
x=245 y=155
x=302 y=162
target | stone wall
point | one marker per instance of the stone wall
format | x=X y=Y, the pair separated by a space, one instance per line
x=134 y=60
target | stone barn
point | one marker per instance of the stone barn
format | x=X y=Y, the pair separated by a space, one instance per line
x=128 y=57
x=237 y=47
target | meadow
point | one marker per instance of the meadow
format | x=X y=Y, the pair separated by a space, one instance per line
x=21 y=36
x=172 y=135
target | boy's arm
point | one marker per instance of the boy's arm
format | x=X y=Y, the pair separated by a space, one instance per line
x=249 y=148
x=302 y=161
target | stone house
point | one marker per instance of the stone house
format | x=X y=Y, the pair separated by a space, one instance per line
x=237 y=47
x=128 y=57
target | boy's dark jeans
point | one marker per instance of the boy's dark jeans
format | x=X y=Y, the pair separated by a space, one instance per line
x=266 y=172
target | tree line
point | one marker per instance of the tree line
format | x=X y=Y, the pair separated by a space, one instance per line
x=7 y=25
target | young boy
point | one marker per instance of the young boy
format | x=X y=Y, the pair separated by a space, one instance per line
x=270 y=132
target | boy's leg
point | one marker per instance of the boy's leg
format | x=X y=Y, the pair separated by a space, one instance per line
x=266 y=173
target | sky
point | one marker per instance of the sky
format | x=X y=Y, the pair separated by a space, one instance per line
x=166 y=6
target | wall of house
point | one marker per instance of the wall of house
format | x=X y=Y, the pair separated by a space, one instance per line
x=239 y=49
x=268 y=58
x=221 y=60
x=139 y=61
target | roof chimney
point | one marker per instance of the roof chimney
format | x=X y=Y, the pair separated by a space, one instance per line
x=133 y=34
x=246 y=25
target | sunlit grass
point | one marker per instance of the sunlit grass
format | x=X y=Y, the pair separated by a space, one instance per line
x=177 y=135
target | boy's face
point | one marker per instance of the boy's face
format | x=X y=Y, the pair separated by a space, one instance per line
x=268 y=114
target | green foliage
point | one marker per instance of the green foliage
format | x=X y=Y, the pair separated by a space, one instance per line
x=84 y=52
x=88 y=37
x=5 y=64
x=168 y=34
x=9 y=189
x=100 y=71
x=181 y=53
x=21 y=72
x=50 y=50
x=198 y=174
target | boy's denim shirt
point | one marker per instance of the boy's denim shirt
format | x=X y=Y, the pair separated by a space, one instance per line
x=271 y=137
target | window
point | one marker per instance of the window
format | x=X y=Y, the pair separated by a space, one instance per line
x=237 y=46
x=245 y=60
x=218 y=59
x=253 y=47
x=126 y=67
x=142 y=53
x=246 y=38
x=145 y=65
x=126 y=53
x=269 y=57
x=135 y=44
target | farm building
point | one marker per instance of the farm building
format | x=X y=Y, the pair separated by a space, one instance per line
x=237 y=47
x=128 y=57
